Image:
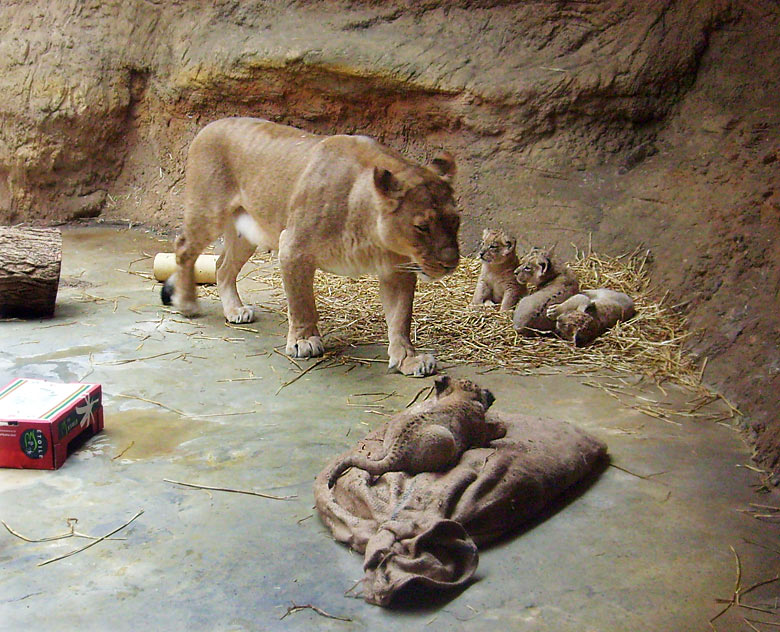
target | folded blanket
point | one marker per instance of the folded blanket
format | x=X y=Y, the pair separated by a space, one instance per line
x=425 y=528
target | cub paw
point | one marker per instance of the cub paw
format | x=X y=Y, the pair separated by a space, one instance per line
x=243 y=314
x=311 y=347
x=415 y=366
x=553 y=312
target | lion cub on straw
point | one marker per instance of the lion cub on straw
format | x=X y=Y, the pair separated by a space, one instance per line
x=585 y=316
x=497 y=282
x=553 y=285
x=342 y=204
x=431 y=436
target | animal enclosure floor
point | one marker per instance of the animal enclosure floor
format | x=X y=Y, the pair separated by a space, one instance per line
x=648 y=546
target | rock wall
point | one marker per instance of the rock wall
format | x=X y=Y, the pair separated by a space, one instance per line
x=613 y=122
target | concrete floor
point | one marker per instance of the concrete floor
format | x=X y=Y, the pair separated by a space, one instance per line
x=630 y=553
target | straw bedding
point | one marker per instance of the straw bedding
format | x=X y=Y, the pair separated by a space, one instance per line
x=649 y=345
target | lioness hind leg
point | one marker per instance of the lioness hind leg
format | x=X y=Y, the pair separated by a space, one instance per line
x=184 y=293
x=236 y=254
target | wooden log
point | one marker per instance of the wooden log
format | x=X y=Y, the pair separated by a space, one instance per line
x=30 y=260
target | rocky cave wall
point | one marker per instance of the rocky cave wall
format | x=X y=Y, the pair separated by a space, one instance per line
x=609 y=122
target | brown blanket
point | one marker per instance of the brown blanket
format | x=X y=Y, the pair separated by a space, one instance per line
x=425 y=528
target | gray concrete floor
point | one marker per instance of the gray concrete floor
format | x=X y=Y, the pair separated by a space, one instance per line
x=630 y=553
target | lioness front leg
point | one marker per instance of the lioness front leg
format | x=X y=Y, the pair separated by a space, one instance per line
x=397 y=294
x=303 y=337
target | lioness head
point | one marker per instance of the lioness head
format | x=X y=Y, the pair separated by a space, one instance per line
x=465 y=390
x=418 y=217
x=496 y=245
x=536 y=267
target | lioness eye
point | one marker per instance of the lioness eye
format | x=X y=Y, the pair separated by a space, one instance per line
x=423 y=228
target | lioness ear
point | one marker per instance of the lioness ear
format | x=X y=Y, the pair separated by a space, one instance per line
x=387 y=184
x=441 y=383
x=510 y=246
x=545 y=265
x=487 y=398
x=444 y=166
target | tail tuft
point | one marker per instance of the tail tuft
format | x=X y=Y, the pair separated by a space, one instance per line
x=166 y=293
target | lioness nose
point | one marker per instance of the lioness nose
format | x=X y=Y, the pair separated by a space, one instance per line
x=449 y=257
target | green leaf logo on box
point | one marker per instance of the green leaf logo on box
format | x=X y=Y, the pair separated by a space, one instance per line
x=34 y=444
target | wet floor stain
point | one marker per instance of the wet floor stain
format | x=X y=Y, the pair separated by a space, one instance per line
x=142 y=434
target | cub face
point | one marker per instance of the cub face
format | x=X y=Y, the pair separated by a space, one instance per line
x=496 y=245
x=536 y=267
x=420 y=219
x=578 y=327
x=464 y=390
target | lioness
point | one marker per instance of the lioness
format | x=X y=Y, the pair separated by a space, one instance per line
x=431 y=436
x=343 y=204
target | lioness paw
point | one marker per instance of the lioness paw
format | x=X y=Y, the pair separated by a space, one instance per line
x=415 y=366
x=311 y=347
x=190 y=309
x=243 y=314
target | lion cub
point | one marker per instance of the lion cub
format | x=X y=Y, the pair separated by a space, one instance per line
x=553 y=285
x=585 y=316
x=432 y=436
x=497 y=282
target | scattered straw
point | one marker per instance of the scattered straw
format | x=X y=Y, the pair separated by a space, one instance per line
x=296 y=608
x=122 y=453
x=228 y=489
x=93 y=543
x=71 y=533
x=735 y=601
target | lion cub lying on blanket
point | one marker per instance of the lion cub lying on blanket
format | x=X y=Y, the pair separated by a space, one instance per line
x=585 y=316
x=434 y=435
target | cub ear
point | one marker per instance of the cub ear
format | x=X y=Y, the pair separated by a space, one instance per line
x=487 y=398
x=444 y=166
x=510 y=246
x=387 y=184
x=485 y=233
x=545 y=265
x=442 y=383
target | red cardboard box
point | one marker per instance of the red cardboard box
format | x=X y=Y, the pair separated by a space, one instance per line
x=38 y=421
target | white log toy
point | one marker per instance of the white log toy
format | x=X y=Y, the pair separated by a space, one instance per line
x=205 y=267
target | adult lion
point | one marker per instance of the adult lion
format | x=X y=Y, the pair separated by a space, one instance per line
x=343 y=204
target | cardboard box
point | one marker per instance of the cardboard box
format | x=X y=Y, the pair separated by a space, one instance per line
x=40 y=420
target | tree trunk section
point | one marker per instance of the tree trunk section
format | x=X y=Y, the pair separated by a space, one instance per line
x=30 y=261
